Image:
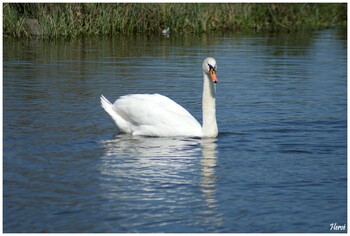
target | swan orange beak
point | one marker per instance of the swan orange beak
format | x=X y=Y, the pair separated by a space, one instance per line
x=212 y=74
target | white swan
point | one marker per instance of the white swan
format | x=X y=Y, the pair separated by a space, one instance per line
x=157 y=115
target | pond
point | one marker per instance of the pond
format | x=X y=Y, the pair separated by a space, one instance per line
x=279 y=163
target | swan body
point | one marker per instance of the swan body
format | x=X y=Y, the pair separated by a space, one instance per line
x=158 y=115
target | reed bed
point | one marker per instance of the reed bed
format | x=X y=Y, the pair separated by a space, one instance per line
x=76 y=19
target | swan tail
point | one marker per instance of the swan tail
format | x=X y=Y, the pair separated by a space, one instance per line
x=122 y=125
x=108 y=107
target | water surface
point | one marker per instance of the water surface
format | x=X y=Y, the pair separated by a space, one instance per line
x=278 y=165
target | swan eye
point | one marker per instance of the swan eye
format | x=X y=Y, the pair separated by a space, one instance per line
x=211 y=67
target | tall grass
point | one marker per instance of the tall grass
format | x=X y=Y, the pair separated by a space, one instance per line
x=74 y=19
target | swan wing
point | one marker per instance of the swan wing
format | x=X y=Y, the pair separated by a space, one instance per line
x=156 y=115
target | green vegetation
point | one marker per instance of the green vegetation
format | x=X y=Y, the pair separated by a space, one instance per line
x=75 y=19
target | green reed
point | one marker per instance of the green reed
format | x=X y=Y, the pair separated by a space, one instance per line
x=74 y=19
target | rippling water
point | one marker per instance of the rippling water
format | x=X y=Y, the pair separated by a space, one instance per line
x=278 y=165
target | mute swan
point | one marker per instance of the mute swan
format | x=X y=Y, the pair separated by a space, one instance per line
x=157 y=115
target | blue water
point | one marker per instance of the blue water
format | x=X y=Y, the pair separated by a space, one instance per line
x=279 y=163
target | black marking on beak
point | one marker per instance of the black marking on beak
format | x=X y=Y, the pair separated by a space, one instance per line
x=211 y=67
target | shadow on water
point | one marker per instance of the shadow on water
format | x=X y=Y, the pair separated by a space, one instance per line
x=160 y=176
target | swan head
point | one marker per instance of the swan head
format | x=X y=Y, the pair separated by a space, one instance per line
x=209 y=68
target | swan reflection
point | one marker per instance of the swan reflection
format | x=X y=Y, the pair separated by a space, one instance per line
x=156 y=174
x=208 y=164
x=141 y=146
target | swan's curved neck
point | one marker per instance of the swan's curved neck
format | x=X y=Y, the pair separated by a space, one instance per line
x=210 y=128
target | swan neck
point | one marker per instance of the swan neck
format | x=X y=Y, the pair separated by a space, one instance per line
x=210 y=128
